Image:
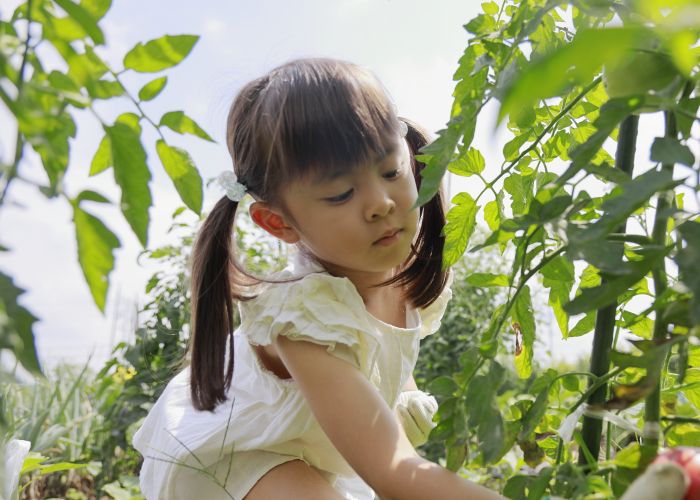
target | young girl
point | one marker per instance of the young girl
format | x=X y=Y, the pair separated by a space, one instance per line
x=297 y=402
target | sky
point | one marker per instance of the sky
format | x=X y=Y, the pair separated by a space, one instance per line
x=413 y=46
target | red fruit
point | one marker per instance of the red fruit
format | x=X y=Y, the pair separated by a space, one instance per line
x=688 y=458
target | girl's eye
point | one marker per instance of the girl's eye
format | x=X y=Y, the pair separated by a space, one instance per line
x=340 y=198
x=394 y=174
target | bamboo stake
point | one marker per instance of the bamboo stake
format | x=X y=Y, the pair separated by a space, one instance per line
x=605 y=318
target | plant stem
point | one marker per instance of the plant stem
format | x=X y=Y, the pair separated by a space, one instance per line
x=659 y=235
x=19 y=147
x=681 y=420
x=639 y=239
x=521 y=285
x=592 y=429
x=549 y=127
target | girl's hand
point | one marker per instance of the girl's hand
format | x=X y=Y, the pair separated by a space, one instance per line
x=363 y=429
x=415 y=410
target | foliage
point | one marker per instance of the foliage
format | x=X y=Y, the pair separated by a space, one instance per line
x=45 y=105
x=58 y=415
x=542 y=60
x=33 y=464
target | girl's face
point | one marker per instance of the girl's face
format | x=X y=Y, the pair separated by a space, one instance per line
x=359 y=221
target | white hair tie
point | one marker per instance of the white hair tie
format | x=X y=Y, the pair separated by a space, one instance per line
x=235 y=191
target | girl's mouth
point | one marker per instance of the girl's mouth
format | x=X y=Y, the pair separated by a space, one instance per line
x=389 y=240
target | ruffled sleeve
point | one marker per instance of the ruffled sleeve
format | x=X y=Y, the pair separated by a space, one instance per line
x=318 y=308
x=431 y=316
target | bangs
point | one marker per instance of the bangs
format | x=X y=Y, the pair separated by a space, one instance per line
x=324 y=118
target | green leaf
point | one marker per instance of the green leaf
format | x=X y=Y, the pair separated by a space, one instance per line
x=492 y=435
x=692 y=393
x=62 y=466
x=132 y=175
x=559 y=293
x=512 y=148
x=608 y=173
x=461 y=126
x=471 y=163
x=442 y=431
x=96 y=246
x=559 y=269
x=117 y=492
x=688 y=260
x=582 y=132
x=690 y=105
x=575 y=63
x=479 y=399
x=443 y=386
x=32 y=462
x=669 y=151
x=461 y=224
x=459 y=423
x=634 y=196
x=466 y=62
x=489 y=344
x=629 y=457
x=607 y=293
x=180 y=167
x=152 y=89
x=611 y=113
x=481 y=24
x=84 y=18
x=130 y=119
x=526 y=118
x=571 y=383
x=534 y=414
x=557 y=145
x=103 y=158
x=488 y=279
x=589 y=279
x=643 y=328
x=91 y=196
x=103 y=89
x=515 y=488
x=498 y=236
x=683 y=435
x=539 y=485
x=180 y=123
x=584 y=326
x=16 y=326
x=524 y=315
x=543 y=382
x=455 y=457
x=160 y=54
x=491 y=8
x=494 y=212
x=96 y=8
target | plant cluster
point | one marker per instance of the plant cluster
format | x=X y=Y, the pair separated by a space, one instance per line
x=560 y=198
x=45 y=105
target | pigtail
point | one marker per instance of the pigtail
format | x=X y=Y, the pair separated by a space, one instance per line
x=216 y=277
x=423 y=278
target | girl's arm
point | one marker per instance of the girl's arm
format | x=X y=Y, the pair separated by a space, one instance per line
x=363 y=429
x=411 y=384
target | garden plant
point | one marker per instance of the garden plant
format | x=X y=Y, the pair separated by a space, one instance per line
x=565 y=88
x=615 y=247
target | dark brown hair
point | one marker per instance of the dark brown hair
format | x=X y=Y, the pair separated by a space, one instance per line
x=307 y=117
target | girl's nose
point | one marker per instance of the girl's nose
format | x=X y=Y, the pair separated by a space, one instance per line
x=380 y=206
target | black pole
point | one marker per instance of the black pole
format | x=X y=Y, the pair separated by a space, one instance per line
x=605 y=318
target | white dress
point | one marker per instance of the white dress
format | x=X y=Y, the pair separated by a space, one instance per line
x=270 y=421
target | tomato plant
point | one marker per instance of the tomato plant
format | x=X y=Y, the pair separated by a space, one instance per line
x=597 y=234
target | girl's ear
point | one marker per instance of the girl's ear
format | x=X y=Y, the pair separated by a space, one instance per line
x=272 y=222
